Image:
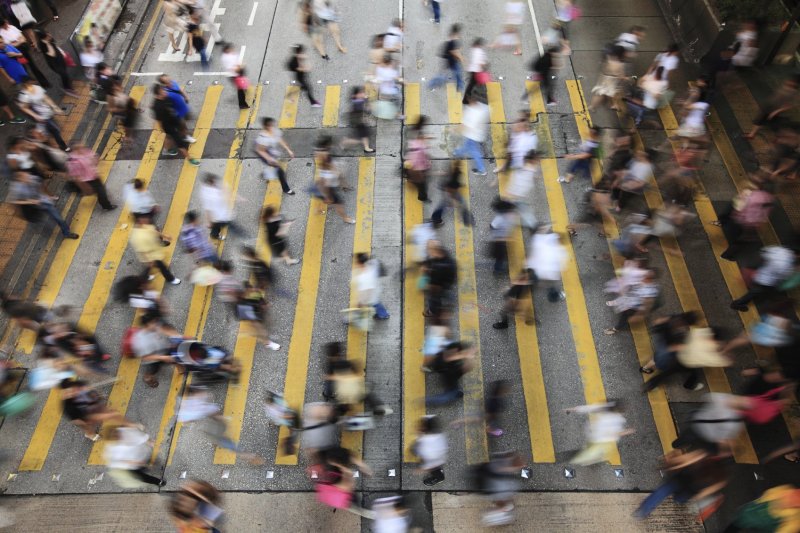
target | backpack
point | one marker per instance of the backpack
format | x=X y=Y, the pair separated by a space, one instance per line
x=755 y=209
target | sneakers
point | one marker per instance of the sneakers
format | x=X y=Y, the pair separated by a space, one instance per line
x=290 y=192
x=151 y=277
x=292 y=261
x=17 y=120
x=382 y=410
x=500 y=325
x=189 y=139
x=170 y=152
x=2 y=122
x=697 y=387
x=194 y=162
x=71 y=235
x=494 y=432
x=274 y=346
x=176 y=281
x=316 y=104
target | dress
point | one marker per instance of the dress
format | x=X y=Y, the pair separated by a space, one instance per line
x=608 y=84
x=276 y=242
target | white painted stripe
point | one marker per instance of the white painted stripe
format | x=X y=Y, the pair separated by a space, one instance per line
x=252 y=14
x=201 y=73
x=241 y=54
x=146 y=73
x=536 y=28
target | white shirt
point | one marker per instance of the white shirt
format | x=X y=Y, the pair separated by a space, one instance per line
x=477 y=59
x=605 y=426
x=432 y=450
x=515 y=12
x=521 y=183
x=628 y=41
x=90 y=60
x=696 y=118
x=366 y=282
x=387 y=77
x=640 y=171
x=653 y=90
x=778 y=266
x=196 y=407
x=130 y=452
x=393 y=38
x=10 y=34
x=476 y=121
x=34 y=97
x=668 y=61
x=139 y=201
x=216 y=203
x=271 y=141
x=521 y=143
x=229 y=60
x=22 y=13
x=547 y=256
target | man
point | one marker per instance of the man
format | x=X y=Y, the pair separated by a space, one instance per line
x=520 y=187
x=13 y=36
x=393 y=39
x=172 y=125
x=474 y=129
x=148 y=243
x=521 y=140
x=630 y=41
x=216 y=202
x=34 y=102
x=453 y=363
x=581 y=161
x=778 y=264
x=140 y=202
x=82 y=168
x=25 y=192
x=268 y=148
x=367 y=284
x=606 y=426
x=195 y=240
x=12 y=69
x=179 y=100
x=453 y=60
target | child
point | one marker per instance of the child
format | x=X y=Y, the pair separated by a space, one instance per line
x=242 y=86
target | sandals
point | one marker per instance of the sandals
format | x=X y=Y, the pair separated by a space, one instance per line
x=93 y=438
x=645 y=370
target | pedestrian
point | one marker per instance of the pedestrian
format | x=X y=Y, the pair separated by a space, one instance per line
x=669 y=59
x=776 y=510
x=258 y=269
x=451 y=197
x=630 y=41
x=387 y=76
x=500 y=228
x=216 y=201
x=25 y=192
x=58 y=60
x=778 y=264
x=298 y=63
x=612 y=76
x=392 y=514
x=242 y=86
x=393 y=38
x=636 y=303
x=474 y=131
x=431 y=447
x=495 y=405
x=24 y=44
x=366 y=283
x=82 y=169
x=418 y=161
x=605 y=427
x=149 y=245
x=229 y=59
x=475 y=67
x=13 y=71
x=196 y=507
x=329 y=183
x=268 y=144
x=520 y=186
x=180 y=102
x=588 y=152
x=510 y=37
x=566 y=12
x=350 y=390
x=197 y=42
x=542 y=71
x=199 y=7
x=34 y=101
x=84 y=407
x=139 y=201
x=359 y=110
x=670 y=337
x=499 y=479
x=336 y=486
x=195 y=239
x=327 y=14
x=654 y=86
x=453 y=61
x=276 y=229
x=436 y=6
x=251 y=311
x=127 y=453
x=5 y=108
x=521 y=285
x=547 y=259
x=437 y=337
x=634 y=180
x=748 y=211
x=124 y=107
x=91 y=59
x=174 y=20
x=438 y=277
x=521 y=140
x=229 y=288
x=453 y=363
x=171 y=124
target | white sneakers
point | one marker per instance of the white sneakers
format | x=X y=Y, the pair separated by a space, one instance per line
x=274 y=346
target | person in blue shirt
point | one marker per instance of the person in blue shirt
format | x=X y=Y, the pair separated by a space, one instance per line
x=179 y=101
x=12 y=68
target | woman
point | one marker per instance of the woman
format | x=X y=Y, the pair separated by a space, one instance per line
x=419 y=161
x=611 y=77
x=298 y=63
x=637 y=302
x=431 y=447
x=122 y=106
x=56 y=59
x=477 y=64
x=83 y=407
x=388 y=79
x=276 y=228
x=127 y=453
x=327 y=15
x=195 y=507
x=268 y=148
x=634 y=180
x=329 y=184
x=359 y=109
x=149 y=244
x=90 y=58
x=510 y=37
x=174 y=22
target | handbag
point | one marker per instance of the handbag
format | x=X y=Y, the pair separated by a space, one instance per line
x=68 y=60
x=765 y=407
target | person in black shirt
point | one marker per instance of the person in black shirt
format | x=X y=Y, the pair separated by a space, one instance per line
x=276 y=228
x=197 y=42
x=542 y=69
x=359 y=108
x=165 y=113
x=83 y=406
x=442 y=274
x=451 y=53
x=452 y=197
x=297 y=64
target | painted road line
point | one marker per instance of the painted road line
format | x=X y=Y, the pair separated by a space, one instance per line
x=252 y=14
x=687 y=296
x=362 y=242
x=413 y=322
x=289 y=109
x=530 y=362
x=120 y=395
x=330 y=112
x=469 y=331
x=79 y=223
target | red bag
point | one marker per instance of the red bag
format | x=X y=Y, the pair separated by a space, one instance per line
x=333 y=496
x=765 y=407
x=482 y=78
x=22 y=60
x=68 y=59
x=126 y=350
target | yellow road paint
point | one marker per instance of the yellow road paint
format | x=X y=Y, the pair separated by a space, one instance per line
x=530 y=363
x=330 y=110
x=289 y=110
x=412 y=107
x=469 y=330
x=120 y=395
x=413 y=322
x=362 y=242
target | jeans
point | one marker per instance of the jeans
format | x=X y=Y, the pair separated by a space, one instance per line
x=473 y=150
x=444 y=398
x=268 y=174
x=580 y=166
x=437 y=11
x=162 y=268
x=654 y=499
x=203 y=58
x=51 y=210
x=380 y=311
x=55 y=132
x=451 y=71
x=436 y=216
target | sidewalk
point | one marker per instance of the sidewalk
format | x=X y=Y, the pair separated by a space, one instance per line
x=292 y=511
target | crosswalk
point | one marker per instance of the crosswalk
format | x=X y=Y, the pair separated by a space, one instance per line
x=539 y=391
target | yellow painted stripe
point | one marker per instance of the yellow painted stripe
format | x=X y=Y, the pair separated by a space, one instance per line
x=79 y=223
x=330 y=110
x=413 y=322
x=454 y=105
x=362 y=242
x=469 y=331
x=530 y=363
x=128 y=370
x=46 y=426
x=412 y=107
x=289 y=110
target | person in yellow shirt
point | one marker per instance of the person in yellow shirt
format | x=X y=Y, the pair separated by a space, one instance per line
x=149 y=244
x=777 y=510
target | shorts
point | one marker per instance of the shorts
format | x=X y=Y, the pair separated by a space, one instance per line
x=3 y=99
x=333 y=195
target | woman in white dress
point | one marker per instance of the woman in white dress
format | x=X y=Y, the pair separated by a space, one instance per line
x=609 y=85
